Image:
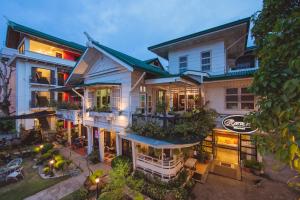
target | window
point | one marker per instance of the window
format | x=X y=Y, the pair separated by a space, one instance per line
x=206 y=60
x=149 y=102
x=143 y=98
x=232 y=98
x=247 y=99
x=103 y=98
x=239 y=98
x=182 y=64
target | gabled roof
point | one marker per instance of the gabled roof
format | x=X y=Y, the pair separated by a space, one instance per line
x=133 y=62
x=27 y=30
x=230 y=75
x=197 y=34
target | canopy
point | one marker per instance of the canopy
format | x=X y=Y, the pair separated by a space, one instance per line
x=34 y=115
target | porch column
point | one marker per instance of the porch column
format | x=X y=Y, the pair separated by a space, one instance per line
x=162 y=161
x=69 y=132
x=133 y=155
x=101 y=143
x=90 y=139
x=170 y=99
x=185 y=99
x=79 y=130
x=118 y=144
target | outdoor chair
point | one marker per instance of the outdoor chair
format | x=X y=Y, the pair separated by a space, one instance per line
x=15 y=174
x=14 y=164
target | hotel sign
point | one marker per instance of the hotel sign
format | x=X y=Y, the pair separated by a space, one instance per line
x=236 y=123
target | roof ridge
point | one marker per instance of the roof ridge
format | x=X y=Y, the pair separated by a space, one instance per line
x=134 y=62
x=199 y=33
x=37 y=33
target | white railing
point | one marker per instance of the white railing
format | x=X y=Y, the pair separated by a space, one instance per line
x=71 y=115
x=165 y=169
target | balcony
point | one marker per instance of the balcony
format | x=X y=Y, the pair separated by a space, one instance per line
x=42 y=80
x=105 y=112
x=70 y=115
x=43 y=102
x=165 y=169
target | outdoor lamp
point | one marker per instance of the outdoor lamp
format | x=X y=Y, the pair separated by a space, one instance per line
x=97 y=181
x=41 y=146
x=51 y=162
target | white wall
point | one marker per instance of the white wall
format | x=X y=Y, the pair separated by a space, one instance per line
x=108 y=71
x=193 y=53
x=215 y=94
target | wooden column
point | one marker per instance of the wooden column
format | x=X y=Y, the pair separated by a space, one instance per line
x=101 y=143
x=69 y=132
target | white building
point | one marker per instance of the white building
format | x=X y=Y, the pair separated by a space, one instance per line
x=116 y=91
x=212 y=66
x=41 y=62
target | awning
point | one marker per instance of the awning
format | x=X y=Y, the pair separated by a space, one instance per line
x=98 y=84
x=34 y=115
x=155 y=142
x=69 y=88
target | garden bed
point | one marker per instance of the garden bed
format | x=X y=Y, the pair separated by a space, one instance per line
x=31 y=184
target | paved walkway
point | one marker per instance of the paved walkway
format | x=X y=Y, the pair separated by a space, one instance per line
x=72 y=184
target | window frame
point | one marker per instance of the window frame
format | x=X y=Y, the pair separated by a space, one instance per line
x=180 y=62
x=239 y=101
x=201 y=59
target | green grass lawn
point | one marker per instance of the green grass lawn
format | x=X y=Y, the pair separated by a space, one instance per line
x=31 y=184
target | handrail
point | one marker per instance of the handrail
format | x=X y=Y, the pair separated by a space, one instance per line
x=159 y=163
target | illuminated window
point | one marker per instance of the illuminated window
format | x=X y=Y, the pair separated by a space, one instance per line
x=232 y=98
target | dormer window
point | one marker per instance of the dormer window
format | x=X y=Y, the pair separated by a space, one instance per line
x=182 y=64
x=206 y=60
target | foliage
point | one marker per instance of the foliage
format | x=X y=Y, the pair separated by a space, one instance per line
x=97 y=174
x=59 y=165
x=7 y=126
x=120 y=160
x=191 y=126
x=161 y=108
x=253 y=164
x=46 y=147
x=157 y=189
x=46 y=170
x=94 y=157
x=5 y=78
x=277 y=34
x=68 y=106
x=120 y=183
x=104 y=108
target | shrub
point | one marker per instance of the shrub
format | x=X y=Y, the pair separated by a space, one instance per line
x=253 y=164
x=46 y=170
x=97 y=174
x=80 y=194
x=36 y=150
x=46 y=148
x=44 y=157
x=59 y=164
x=58 y=157
x=121 y=159
x=94 y=157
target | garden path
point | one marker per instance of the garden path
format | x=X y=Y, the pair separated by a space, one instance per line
x=72 y=184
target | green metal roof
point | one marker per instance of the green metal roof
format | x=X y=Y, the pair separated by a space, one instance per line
x=24 y=29
x=230 y=75
x=217 y=28
x=133 y=62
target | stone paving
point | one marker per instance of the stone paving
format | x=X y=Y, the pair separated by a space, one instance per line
x=72 y=184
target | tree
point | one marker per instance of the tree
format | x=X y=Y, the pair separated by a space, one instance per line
x=277 y=36
x=5 y=90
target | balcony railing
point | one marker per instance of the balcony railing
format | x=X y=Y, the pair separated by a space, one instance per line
x=167 y=121
x=44 y=102
x=43 y=80
x=165 y=169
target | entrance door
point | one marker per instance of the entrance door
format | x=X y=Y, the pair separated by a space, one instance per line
x=226 y=148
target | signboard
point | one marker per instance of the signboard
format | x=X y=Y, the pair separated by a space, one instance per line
x=237 y=124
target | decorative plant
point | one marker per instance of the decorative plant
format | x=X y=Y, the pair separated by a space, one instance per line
x=161 y=108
